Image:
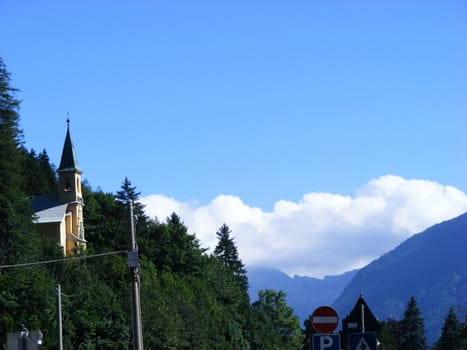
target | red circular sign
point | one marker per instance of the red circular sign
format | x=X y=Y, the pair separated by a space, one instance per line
x=324 y=319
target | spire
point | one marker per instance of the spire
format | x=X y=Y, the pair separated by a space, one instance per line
x=69 y=160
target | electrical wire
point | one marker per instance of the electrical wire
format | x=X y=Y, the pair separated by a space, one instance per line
x=64 y=259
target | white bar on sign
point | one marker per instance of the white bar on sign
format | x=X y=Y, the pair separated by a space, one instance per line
x=324 y=319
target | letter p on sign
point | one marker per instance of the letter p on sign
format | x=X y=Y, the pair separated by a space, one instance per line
x=326 y=342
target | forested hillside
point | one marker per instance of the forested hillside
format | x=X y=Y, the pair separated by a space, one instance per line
x=304 y=294
x=190 y=299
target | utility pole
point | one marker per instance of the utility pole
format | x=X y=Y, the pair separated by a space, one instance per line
x=133 y=264
x=59 y=318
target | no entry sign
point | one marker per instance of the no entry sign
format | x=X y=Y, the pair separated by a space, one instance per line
x=324 y=319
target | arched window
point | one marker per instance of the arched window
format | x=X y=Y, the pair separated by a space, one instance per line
x=67 y=185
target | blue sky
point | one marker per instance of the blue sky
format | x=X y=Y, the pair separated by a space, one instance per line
x=263 y=101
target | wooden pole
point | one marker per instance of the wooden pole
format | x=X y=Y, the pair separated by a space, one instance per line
x=135 y=283
x=59 y=318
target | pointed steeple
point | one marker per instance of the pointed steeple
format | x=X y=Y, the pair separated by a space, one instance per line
x=69 y=161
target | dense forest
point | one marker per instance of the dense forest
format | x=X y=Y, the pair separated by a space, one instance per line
x=191 y=299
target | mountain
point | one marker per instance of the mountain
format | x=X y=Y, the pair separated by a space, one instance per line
x=304 y=294
x=431 y=266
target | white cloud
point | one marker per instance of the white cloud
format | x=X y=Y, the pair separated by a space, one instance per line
x=323 y=233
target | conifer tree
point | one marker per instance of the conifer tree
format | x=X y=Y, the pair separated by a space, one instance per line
x=44 y=181
x=16 y=243
x=226 y=251
x=450 y=333
x=412 y=328
x=174 y=249
x=10 y=138
x=128 y=193
x=25 y=291
x=48 y=171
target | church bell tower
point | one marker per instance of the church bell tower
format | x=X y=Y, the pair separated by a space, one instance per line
x=69 y=191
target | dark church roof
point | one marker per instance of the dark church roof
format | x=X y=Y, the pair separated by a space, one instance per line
x=48 y=209
x=353 y=322
x=69 y=160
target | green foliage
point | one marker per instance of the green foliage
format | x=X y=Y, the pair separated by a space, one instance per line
x=10 y=138
x=26 y=298
x=172 y=248
x=390 y=334
x=308 y=332
x=412 y=328
x=128 y=194
x=273 y=324
x=15 y=214
x=25 y=295
x=226 y=251
x=95 y=316
x=106 y=223
x=450 y=338
x=44 y=180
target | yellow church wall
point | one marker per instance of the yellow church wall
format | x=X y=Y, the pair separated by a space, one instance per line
x=70 y=246
x=54 y=231
x=63 y=234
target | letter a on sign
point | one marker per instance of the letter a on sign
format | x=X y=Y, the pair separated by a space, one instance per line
x=326 y=342
x=362 y=341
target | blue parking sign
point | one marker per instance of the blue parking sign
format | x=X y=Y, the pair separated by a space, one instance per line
x=362 y=341
x=326 y=342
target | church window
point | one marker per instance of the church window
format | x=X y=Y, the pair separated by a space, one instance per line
x=67 y=185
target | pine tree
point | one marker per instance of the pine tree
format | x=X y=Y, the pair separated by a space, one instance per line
x=450 y=333
x=226 y=251
x=44 y=180
x=25 y=294
x=177 y=251
x=48 y=172
x=16 y=241
x=128 y=193
x=412 y=328
x=10 y=138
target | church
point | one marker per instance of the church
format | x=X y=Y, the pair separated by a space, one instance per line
x=60 y=217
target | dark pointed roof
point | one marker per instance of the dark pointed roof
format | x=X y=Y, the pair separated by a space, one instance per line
x=353 y=321
x=69 y=160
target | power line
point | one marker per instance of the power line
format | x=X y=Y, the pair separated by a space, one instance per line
x=59 y=260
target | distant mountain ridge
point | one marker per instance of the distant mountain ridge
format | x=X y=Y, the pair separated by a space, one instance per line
x=431 y=266
x=304 y=294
